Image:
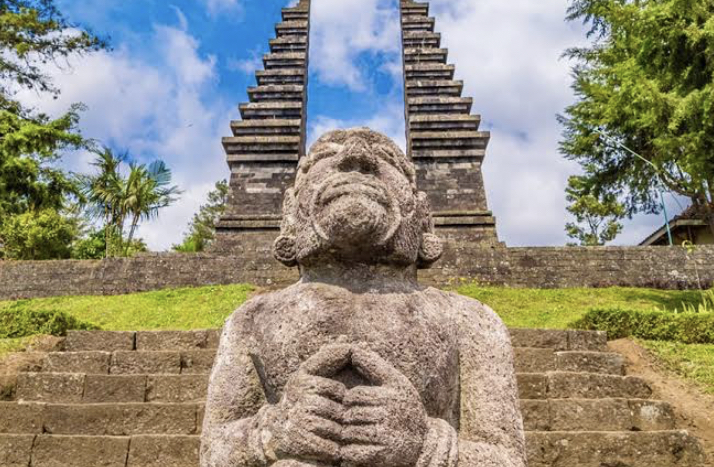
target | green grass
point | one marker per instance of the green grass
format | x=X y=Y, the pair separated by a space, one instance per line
x=694 y=362
x=557 y=309
x=177 y=309
x=13 y=345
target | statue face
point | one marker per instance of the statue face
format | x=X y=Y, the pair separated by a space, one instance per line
x=354 y=191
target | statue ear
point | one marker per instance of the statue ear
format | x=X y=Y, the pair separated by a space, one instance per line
x=285 y=246
x=430 y=245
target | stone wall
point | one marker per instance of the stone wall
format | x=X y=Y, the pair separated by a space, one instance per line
x=658 y=267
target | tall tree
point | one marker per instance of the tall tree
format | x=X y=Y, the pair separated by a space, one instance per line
x=33 y=34
x=202 y=230
x=645 y=86
x=597 y=219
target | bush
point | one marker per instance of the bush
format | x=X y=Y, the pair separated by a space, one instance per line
x=688 y=328
x=16 y=321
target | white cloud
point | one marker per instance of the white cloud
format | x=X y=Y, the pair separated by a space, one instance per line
x=216 y=7
x=247 y=66
x=155 y=109
x=342 y=30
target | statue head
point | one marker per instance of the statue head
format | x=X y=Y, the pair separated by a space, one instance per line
x=355 y=199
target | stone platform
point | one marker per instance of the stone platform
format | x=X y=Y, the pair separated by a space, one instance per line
x=125 y=399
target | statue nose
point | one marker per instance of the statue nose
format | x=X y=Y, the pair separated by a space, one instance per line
x=358 y=158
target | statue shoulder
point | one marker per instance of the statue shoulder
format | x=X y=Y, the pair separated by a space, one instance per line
x=256 y=306
x=473 y=315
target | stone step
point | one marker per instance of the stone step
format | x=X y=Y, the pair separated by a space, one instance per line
x=421 y=39
x=100 y=419
x=545 y=449
x=109 y=341
x=130 y=362
x=292 y=28
x=257 y=146
x=439 y=105
x=288 y=44
x=274 y=92
x=295 y=14
x=418 y=23
x=414 y=8
x=614 y=449
x=280 y=61
x=429 y=71
x=426 y=140
x=597 y=415
x=572 y=385
x=434 y=88
x=271 y=110
x=265 y=127
x=425 y=55
x=281 y=76
x=420 y=123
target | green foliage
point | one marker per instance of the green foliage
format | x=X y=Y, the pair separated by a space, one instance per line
x=202 y=229
x=17 y=321
x=647 y=82
x=693 y=362
x=600 y=215
x=38 y=235
x=116 y=198
x=687 y=328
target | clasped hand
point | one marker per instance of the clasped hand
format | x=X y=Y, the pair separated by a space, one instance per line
x=322 y=422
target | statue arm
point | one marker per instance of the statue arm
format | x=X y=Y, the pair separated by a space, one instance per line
x=491 y=426
x=231 y=429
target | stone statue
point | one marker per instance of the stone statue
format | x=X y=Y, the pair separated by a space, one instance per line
x=356 y=364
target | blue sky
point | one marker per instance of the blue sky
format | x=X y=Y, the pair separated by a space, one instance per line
x=178 y=69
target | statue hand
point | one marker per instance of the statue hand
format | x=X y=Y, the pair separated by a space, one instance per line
x=384 y=424
x=305 y=424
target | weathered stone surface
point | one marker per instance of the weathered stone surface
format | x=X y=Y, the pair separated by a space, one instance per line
x=77 y=362
x=542 y=339
x=79 y=451
x=164 y=451
x=532 y=386
x=134 y=363
x=357 y=364
x=590 y=415
x=15 y=450
x=536 y=415
x=197 y=361
x=171 y=340
x=21 y=418
x=530 y=360
x=594 y=341
x=590 y=362
x=125 y=388
x=175 y=389
x=595 y=386
x=8 y=387
x=82 y=341
x=44 y=387
x=121 y=419
x=652 y=415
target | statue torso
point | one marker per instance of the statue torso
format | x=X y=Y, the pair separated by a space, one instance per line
x=413 y=331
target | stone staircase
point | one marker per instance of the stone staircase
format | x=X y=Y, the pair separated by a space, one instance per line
x=125 y=399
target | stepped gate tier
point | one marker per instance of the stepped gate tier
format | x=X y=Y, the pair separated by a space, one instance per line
x=443 y=138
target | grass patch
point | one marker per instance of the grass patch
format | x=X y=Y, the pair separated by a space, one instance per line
x=13 y=345
x=176 y=309
x=694 y=362
x=559 y=308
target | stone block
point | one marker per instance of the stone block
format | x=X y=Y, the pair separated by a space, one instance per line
x=77 y=362
x=125 y=363
x=591 y=362
x=79 y=451
x=592 y=341
x=15 y=450
x=50 y=387
x=171 y=340
x=121 y=419
x=531 y=360
x=213 y=338
x=110 y=388
x=8 y=386
x=164 y=451
x=103 y=341
x=652 y=415
x=532 y=386
x=536 y=415
x=177 y=389
x=197 y=361
x=540 y=338
x=21 y=418
x=590 y=415
x=594 y=386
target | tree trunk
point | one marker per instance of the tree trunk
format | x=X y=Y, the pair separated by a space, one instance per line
x=134 y=225
x=708 y=210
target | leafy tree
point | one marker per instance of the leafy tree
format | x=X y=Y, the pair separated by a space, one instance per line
x=202 y=229
x=116 y=198
x=38 y=235
x=599 y=216
x=33 y=34
x=647 y=83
